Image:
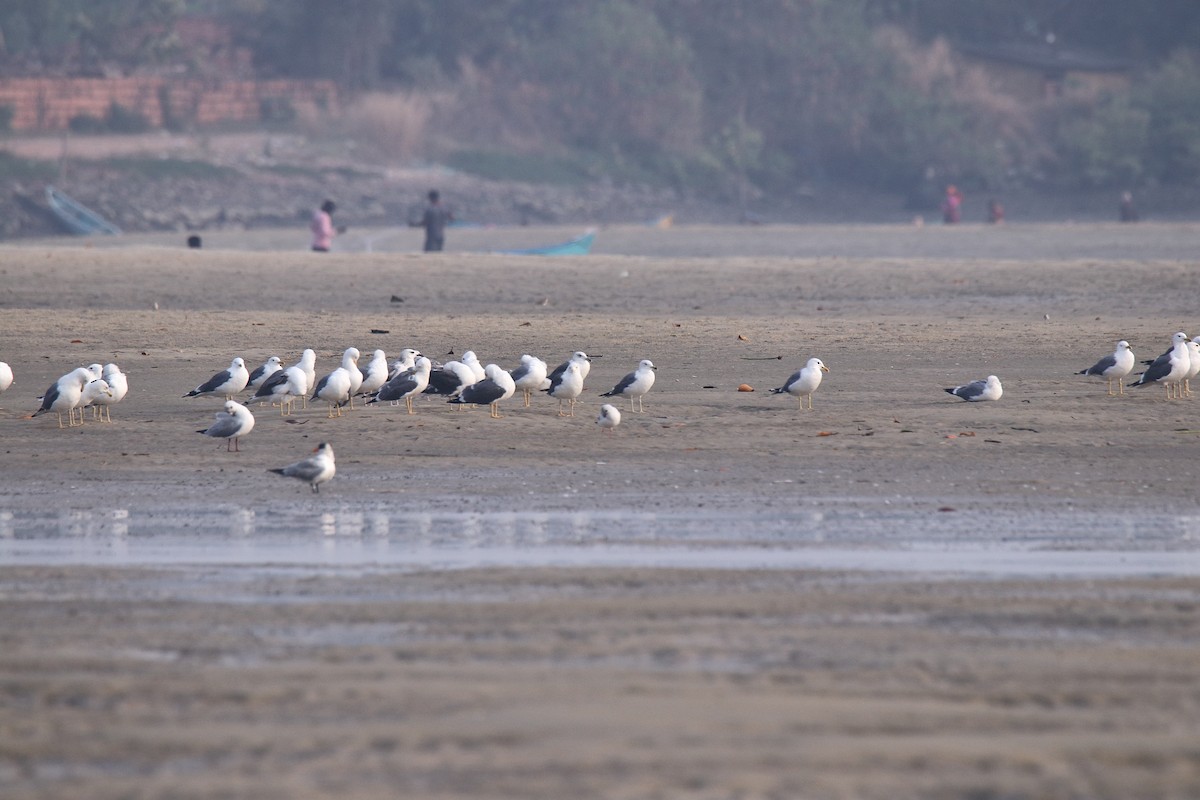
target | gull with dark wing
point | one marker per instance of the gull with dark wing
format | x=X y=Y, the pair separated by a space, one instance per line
x=530 y=376
x=635 y=385
x=1113 y=368
x=804 y=381
x=976 y=391
x=227 y=382
x=231 y=425
x=496 y=386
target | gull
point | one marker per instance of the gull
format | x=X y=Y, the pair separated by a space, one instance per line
x=567 y=386
x=636 y=384
x=1113 y=368
x=284 y=386
x=101 y=402
x=610 y=417
x=308 y=363
x=350 y=364
x=406 y=361
x=450 y=379
x=804 y=381
x=94 y=392
x=334 y=389
x=496 y=386
x=65 y=394
x=976 y=391
x=1194 y=356
x=580 y=359
x=227 y=382
x=375 y=375
x=231 y=425
x=264 y=371
x=1170 y=368
x=471 y=360
x=314 y=470
x=406 y=385
x=529 y=376
x=6 y=376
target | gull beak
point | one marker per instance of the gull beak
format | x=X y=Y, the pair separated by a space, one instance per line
x=824 y=368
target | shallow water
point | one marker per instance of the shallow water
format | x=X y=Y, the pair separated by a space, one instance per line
x=844 y=535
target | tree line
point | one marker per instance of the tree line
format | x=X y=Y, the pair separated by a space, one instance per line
x=737 y=95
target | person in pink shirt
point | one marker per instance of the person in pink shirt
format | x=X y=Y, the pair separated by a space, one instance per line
x=322 y=227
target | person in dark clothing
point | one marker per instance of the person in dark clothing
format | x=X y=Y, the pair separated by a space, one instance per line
x=1127 y=211
x=434 y=222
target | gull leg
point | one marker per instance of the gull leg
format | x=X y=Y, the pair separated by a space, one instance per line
x=408 y=402
x=495 y=411
x=528 y=394
x=572 y=405
x=1120 y=386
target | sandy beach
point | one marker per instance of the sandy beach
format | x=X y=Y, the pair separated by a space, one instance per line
x=894 y=595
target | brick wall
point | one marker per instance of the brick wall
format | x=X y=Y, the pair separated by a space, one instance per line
x=48 y=104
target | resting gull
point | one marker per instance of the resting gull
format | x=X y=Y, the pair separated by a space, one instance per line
x=406 y=385
x=6 y=376
x=1170 y=368
x=804 y=381
x=231 y=425
x=529 y=376
x=375 y=375
x=635 y=384
x=609 y=418
x=567 y=387
x=334 y=389
x=1113 y=368
x=264 y=371
x=471 y=360
x=497 y=385
x=119 y=383
x=406 y=361
x=975 y=391
x=450 y=379
x=284 y=387
x=65 y=394
x=227 y=382
x=314 y=470
x=350 y=364
x=95 y=393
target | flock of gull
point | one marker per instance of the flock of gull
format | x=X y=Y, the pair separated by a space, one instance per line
x=467 y=382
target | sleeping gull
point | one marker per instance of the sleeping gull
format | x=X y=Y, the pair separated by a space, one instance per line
x=450 y=379
x=231 y=425
x=609 y=418
x=375 y=375
x=635 y=384
x=94 y=393
x=307 y=363
x=227 y=382
x=1113 y=368
x=334 y=389
x=119 y=384
x=6 y=376
x=530 y=375
x=1170 y=368
x=64 y=395
x=496 y=386
x=471 y=360
x=405 y=385
x=567 y=386
x=1194 y=355
x=314 y=470
x=350 y=364
x=976 y=391
x=804 y=381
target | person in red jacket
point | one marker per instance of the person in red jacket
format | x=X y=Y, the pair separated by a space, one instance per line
x=322 y=227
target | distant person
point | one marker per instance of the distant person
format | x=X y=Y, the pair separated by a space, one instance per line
x=322 y=227
x=952 y=205
x=995 y=212
x=195 y=242
x=1127 y=211
x=434 y=222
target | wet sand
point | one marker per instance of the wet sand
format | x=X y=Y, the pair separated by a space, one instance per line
x=447 y=618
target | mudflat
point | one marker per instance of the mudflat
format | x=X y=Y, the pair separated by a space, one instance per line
x=896 y=594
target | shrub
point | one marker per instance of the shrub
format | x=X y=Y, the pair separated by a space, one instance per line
x=120 y=119
x=1102 y=145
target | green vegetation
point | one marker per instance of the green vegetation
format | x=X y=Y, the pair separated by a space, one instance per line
x=725 y=96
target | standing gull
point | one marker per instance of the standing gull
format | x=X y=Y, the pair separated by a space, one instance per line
x=227 y=382
x=635 y=384
x=405 y=385
x=529 y=376
x=231 y=425
x=375 y=375
x=1113 y=368
x=264 y=371
x=95 y=393
x=1194 y=355
x=609 y=418
x=804 y=382
x=496 y=386
x=6 y=376
x=119 y=384
x=406 y=361
x=976 y=391
x=284 y=387
x=580 y=359
x=65 y=394
x=450 y=379
x=350 y=364
x=1170 y=368
x=567 y=387
x=314 y=470
x=334 y=389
